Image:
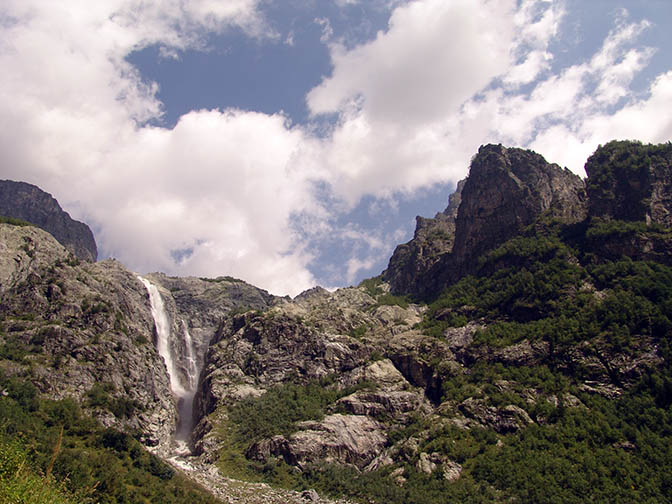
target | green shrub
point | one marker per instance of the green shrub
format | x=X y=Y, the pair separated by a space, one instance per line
x=372 y=286
x=14 y=222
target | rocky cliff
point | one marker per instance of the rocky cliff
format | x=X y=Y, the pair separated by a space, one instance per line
x=82 y=330
x=507 y=190
x=433 y=239
x=86 y=330
x=198 y=305
x=27 y=202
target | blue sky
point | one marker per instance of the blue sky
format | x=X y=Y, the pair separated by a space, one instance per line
x=292 y=143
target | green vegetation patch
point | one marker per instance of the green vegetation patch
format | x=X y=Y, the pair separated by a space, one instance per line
x=75 y=459
x=392 y=300
x=14 y=222
x=276 y=412
x=372 y=286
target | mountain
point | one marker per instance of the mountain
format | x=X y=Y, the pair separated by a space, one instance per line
x=518 y=348
x=506 y=191
x=19 y=200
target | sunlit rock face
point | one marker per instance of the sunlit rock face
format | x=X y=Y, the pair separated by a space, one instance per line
x=433 y=238
x=95 y=333
x=507 y=190
x=88 y=331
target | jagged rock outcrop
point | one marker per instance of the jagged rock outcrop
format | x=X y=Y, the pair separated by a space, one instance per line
x=430 y=462
x=338 y=336
x=630 y=190
x=337 y=438
x=27 y=202
x=433 y=238
x=252 y=352
x=632 y=182
x=509 y=418
x=197 y=306
x=507 y=190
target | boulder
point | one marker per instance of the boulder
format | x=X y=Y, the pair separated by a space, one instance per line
x=343 y=439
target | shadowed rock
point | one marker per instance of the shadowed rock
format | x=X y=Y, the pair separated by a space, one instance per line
x=27 y=202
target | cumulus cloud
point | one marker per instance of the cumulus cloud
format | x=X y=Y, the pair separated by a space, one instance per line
x=214 y=195
x=398 y=96
x=419 y=70
x=242 y=193
x=218 y=189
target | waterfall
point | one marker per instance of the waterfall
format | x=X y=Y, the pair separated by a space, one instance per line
x=191 y=366
x=183 y=387
x=186 y=401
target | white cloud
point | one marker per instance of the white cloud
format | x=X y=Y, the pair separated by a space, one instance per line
x=220 y=187
x=232 y=192
x=399 y=96
x=537 y=24
x=220 y=184
x=415 y=103
x=420 y=69
x=568 y=114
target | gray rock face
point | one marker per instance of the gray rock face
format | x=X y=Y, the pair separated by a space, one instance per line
x=27 y=202
x=343 y=439
x=428 y=463
x=506 y=419
x=86 y=330
x=506 y=190
x=197 y=306
x=251 y=351
x=433 y=238
x=89 y=333
x=313 y=337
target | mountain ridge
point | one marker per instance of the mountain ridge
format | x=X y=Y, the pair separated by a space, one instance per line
x=20 y=200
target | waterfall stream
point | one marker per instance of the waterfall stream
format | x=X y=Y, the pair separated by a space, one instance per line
x=183 y=386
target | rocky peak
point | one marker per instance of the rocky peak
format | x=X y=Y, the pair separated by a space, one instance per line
x=27 y=202
x=631 y=181
x=507 y=190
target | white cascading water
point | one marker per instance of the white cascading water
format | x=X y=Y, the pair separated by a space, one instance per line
x=191 y=366
x=184 y=392
x=186 y=401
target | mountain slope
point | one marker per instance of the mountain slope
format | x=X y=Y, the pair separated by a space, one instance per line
x=533 y=375
x=526 y=357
